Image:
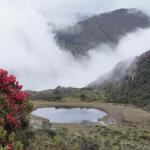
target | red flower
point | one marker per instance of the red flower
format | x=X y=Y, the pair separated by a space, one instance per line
x=12 y=105
x=9 y=147
x=15 y=98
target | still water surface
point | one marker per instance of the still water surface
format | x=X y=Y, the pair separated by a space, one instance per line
x=70 y=115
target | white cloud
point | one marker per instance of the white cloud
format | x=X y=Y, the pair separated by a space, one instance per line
x=28 y=49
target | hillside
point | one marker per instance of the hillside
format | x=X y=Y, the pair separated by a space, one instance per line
x=129 y=84
x=106 y=28
x=117 y=75
x=67 y=94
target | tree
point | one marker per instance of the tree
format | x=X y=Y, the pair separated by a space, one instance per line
x=14 y=108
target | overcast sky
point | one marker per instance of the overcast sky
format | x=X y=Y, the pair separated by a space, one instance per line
x=29 y=51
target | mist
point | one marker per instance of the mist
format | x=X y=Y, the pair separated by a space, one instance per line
x=28 y=48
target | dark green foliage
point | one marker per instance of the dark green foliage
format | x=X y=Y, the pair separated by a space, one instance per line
x=134 y=90
x=88 y=144
x=83 y=97
x=25 y=135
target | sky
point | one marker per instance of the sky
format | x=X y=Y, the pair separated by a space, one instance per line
x=29 y=51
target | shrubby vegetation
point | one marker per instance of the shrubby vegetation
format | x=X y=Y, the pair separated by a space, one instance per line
x=132 y=87
x=14 y=108
x=134 y=90
x=117 y=137
x=68 y=94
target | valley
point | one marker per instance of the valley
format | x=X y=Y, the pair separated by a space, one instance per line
x=85 y=70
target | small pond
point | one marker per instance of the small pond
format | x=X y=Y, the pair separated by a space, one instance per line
x=70 y=115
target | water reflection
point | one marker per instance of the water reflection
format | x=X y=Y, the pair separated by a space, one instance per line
x=71 y=115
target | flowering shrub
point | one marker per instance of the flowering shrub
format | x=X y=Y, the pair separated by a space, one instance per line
x=14 y=107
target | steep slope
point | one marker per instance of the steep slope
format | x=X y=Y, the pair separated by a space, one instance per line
x=117 y=75
x=104 y=28
x=130 y=84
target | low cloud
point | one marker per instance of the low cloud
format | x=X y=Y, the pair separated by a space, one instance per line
x=29 y=51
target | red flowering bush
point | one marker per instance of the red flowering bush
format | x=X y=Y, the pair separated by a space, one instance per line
x=14 y=107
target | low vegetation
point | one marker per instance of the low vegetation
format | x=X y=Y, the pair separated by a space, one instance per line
x=130 y=132
x=61 y=94
x=118 y=137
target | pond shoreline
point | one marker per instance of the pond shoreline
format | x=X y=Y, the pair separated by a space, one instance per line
x=70 y=114
x=115 y=112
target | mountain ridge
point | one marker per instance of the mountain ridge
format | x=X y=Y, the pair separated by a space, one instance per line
x=106 y=28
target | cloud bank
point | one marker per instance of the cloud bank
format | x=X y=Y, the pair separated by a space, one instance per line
x=28 y=48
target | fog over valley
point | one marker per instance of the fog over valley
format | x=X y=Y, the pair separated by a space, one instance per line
x=29 y=48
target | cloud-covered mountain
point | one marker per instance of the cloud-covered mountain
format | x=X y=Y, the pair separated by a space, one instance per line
x=30 y=52
x=128 y=80
x=106 y=28
x=122 y=70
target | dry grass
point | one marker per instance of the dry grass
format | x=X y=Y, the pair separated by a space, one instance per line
x=121 y=113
